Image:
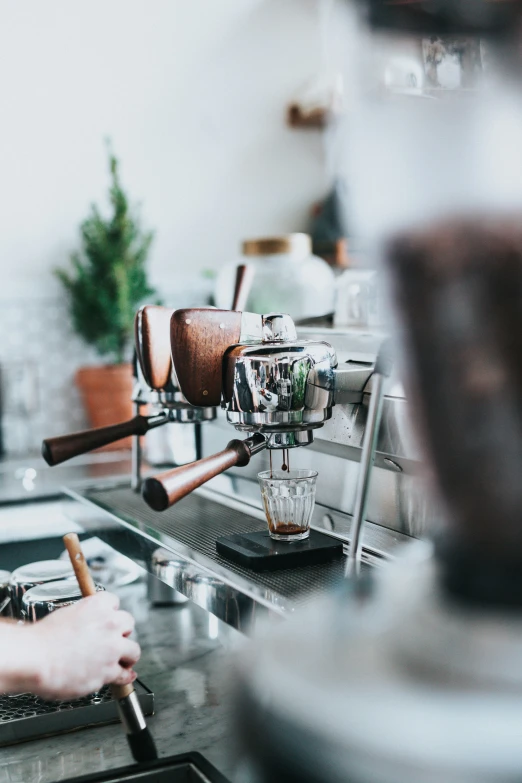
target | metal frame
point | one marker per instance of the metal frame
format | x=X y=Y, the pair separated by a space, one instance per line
x=26 y=717
x=212 y=586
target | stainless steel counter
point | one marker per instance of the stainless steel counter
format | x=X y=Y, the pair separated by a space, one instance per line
x=29 y=479
x=189 y=530
x=187 y=661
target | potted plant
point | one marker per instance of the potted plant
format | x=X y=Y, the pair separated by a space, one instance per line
x=105 y=287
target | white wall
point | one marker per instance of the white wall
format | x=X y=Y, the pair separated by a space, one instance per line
x=193 y=94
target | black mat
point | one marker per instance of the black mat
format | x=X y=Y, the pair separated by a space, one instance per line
x=261 y=553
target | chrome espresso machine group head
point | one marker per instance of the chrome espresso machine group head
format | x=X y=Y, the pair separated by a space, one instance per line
x=266 y=385
x=272 y=385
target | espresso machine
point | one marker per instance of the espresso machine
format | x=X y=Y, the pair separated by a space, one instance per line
x=416 y=675
x=272 y=385
x=157 y=384
x=155 y=388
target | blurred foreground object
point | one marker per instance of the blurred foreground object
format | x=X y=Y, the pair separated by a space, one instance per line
x=416 y=678
x=459 y=287
x=397 y=686
x=456 y=17
x=437 y=184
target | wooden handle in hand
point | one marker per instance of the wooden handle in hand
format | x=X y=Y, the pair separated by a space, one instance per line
x=244 y=279
x=87 y=588
x=152 y=331
x=79 y=564
x=57 y=450
x=199 y=338
x=164 y=490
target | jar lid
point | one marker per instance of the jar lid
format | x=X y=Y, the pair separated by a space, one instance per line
x=298 y=244
x=42 y=571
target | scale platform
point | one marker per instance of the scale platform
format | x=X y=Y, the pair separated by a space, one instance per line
x=259 y=552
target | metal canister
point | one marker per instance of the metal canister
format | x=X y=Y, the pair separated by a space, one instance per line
x=41 y=600
x=32 y=574
x=5 y=594
x=166 y=571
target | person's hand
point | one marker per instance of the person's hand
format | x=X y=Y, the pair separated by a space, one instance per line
x=83 y=647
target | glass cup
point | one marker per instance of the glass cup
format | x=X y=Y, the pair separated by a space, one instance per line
x=289 y=499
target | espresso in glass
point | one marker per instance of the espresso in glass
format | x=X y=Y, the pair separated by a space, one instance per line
x=289 y=499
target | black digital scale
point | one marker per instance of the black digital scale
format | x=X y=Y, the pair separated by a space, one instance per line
x=261 y=553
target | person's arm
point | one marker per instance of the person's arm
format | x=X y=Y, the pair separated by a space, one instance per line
x=19 y=671
x=72 y=652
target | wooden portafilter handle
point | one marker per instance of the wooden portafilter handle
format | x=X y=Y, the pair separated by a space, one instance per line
x=139 y=738
x=60 y=449
x=243 y=285
x=87 y=588
x=161 y=492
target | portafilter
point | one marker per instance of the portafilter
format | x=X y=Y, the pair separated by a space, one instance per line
x=272 y=385
x=155 y=385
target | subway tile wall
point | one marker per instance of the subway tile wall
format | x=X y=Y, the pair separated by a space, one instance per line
x=39 y=354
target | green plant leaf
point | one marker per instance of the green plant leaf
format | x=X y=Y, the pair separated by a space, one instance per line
x=108 y=281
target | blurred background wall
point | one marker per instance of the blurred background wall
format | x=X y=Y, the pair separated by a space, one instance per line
x=193 y=95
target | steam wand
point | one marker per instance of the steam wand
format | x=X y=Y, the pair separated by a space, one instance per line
x=383 y=367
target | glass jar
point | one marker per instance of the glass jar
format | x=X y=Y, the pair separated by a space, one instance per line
x=286 y=278
x=359 y=300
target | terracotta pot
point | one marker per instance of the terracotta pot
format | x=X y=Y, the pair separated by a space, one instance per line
x=106 y=394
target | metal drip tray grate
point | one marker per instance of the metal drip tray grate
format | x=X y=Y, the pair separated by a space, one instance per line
x=24 y=716
x=196 y=522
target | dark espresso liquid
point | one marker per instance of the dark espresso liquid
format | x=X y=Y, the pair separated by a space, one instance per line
x=280 y=528
x=285 y=530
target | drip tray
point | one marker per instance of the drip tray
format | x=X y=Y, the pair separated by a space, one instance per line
x=186 y=768
x=196 y=522
x=25 y=717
